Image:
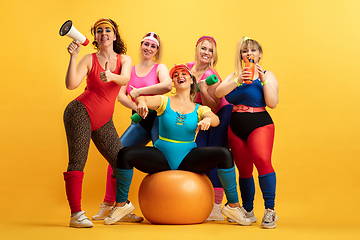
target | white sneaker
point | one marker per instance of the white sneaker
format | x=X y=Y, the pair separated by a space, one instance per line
x=79 y=220
x=237 y=214
x=131 y=217
x=104 y=211
x=249 y=215
x=270 y=218
x=118 y=212
x=215 y=214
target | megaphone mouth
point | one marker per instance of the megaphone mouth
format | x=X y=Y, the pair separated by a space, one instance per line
x=65 y=28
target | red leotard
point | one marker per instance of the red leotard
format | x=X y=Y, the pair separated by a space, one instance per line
x=99 y=97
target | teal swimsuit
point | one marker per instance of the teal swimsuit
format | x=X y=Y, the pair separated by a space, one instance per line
x=177 y=134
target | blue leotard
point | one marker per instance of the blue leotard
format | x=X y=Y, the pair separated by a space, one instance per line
x=176 y=134
x=248 y=94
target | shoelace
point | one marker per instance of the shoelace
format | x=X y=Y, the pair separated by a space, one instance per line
x=112 y=211
x=131 y=215
x=102 y=209
x=180 y=118
x=269 y=217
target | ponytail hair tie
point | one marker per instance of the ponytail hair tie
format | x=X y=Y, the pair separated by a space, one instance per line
x=246 y=38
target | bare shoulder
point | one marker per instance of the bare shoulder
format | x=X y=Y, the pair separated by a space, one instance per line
x=269 y=73
x=87 y=57
x=162 y=67
x=125 y=58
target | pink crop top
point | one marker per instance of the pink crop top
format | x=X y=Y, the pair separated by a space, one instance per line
x=207 y=73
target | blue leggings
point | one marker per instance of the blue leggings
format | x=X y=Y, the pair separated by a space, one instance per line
x=136 y=135
x=216 y=136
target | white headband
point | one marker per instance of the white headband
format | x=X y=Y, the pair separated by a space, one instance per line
x=152 y=38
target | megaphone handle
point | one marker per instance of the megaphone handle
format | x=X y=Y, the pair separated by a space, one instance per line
x=72 y=46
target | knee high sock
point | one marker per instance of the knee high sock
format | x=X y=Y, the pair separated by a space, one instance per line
x=73 y=187
x=247 y=190
x=110 y=186
x=123 y=182
x=219 y=193
x=228 y=181
x=268 y=186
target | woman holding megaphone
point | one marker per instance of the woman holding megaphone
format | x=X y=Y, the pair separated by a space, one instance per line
x=203 y=69
x=89 y=116
x=148 y=77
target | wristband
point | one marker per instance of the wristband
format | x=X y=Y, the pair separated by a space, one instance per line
x=263 y=83
x=238 y=84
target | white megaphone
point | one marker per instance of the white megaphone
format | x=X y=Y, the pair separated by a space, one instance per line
x=68 y=29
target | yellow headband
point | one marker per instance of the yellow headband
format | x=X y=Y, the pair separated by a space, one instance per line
x=104 y=21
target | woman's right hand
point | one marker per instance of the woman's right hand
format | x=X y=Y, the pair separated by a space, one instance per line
x=74 y=47
x=245 y=74
x=142 y=109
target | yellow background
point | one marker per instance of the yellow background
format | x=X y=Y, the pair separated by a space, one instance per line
x=311 y=46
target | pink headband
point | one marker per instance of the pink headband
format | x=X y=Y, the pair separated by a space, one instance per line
x=151 y=36
x=206 y=38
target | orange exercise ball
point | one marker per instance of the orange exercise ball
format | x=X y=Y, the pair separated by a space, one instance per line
x=176 y=197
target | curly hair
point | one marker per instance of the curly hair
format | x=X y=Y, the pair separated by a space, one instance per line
x=119 y=45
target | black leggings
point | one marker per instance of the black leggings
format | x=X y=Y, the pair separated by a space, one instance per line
x=78 y=133
x=151 y=160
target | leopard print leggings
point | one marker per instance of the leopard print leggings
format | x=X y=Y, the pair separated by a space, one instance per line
x=78 y=132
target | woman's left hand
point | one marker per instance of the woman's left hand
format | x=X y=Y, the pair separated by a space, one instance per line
x=262 y=76
x=107 y=75
x=134 y=92
x=204 y=124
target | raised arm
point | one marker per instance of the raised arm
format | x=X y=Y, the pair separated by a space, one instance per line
x=208 y=96
x=270 y=86
x=76 y=73
x=226 y=86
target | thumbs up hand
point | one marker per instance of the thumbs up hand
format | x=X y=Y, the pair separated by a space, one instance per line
x=106 y=76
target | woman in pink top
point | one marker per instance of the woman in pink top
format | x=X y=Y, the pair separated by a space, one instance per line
x=203 y=67
x=147 y=78
x=89 y=116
